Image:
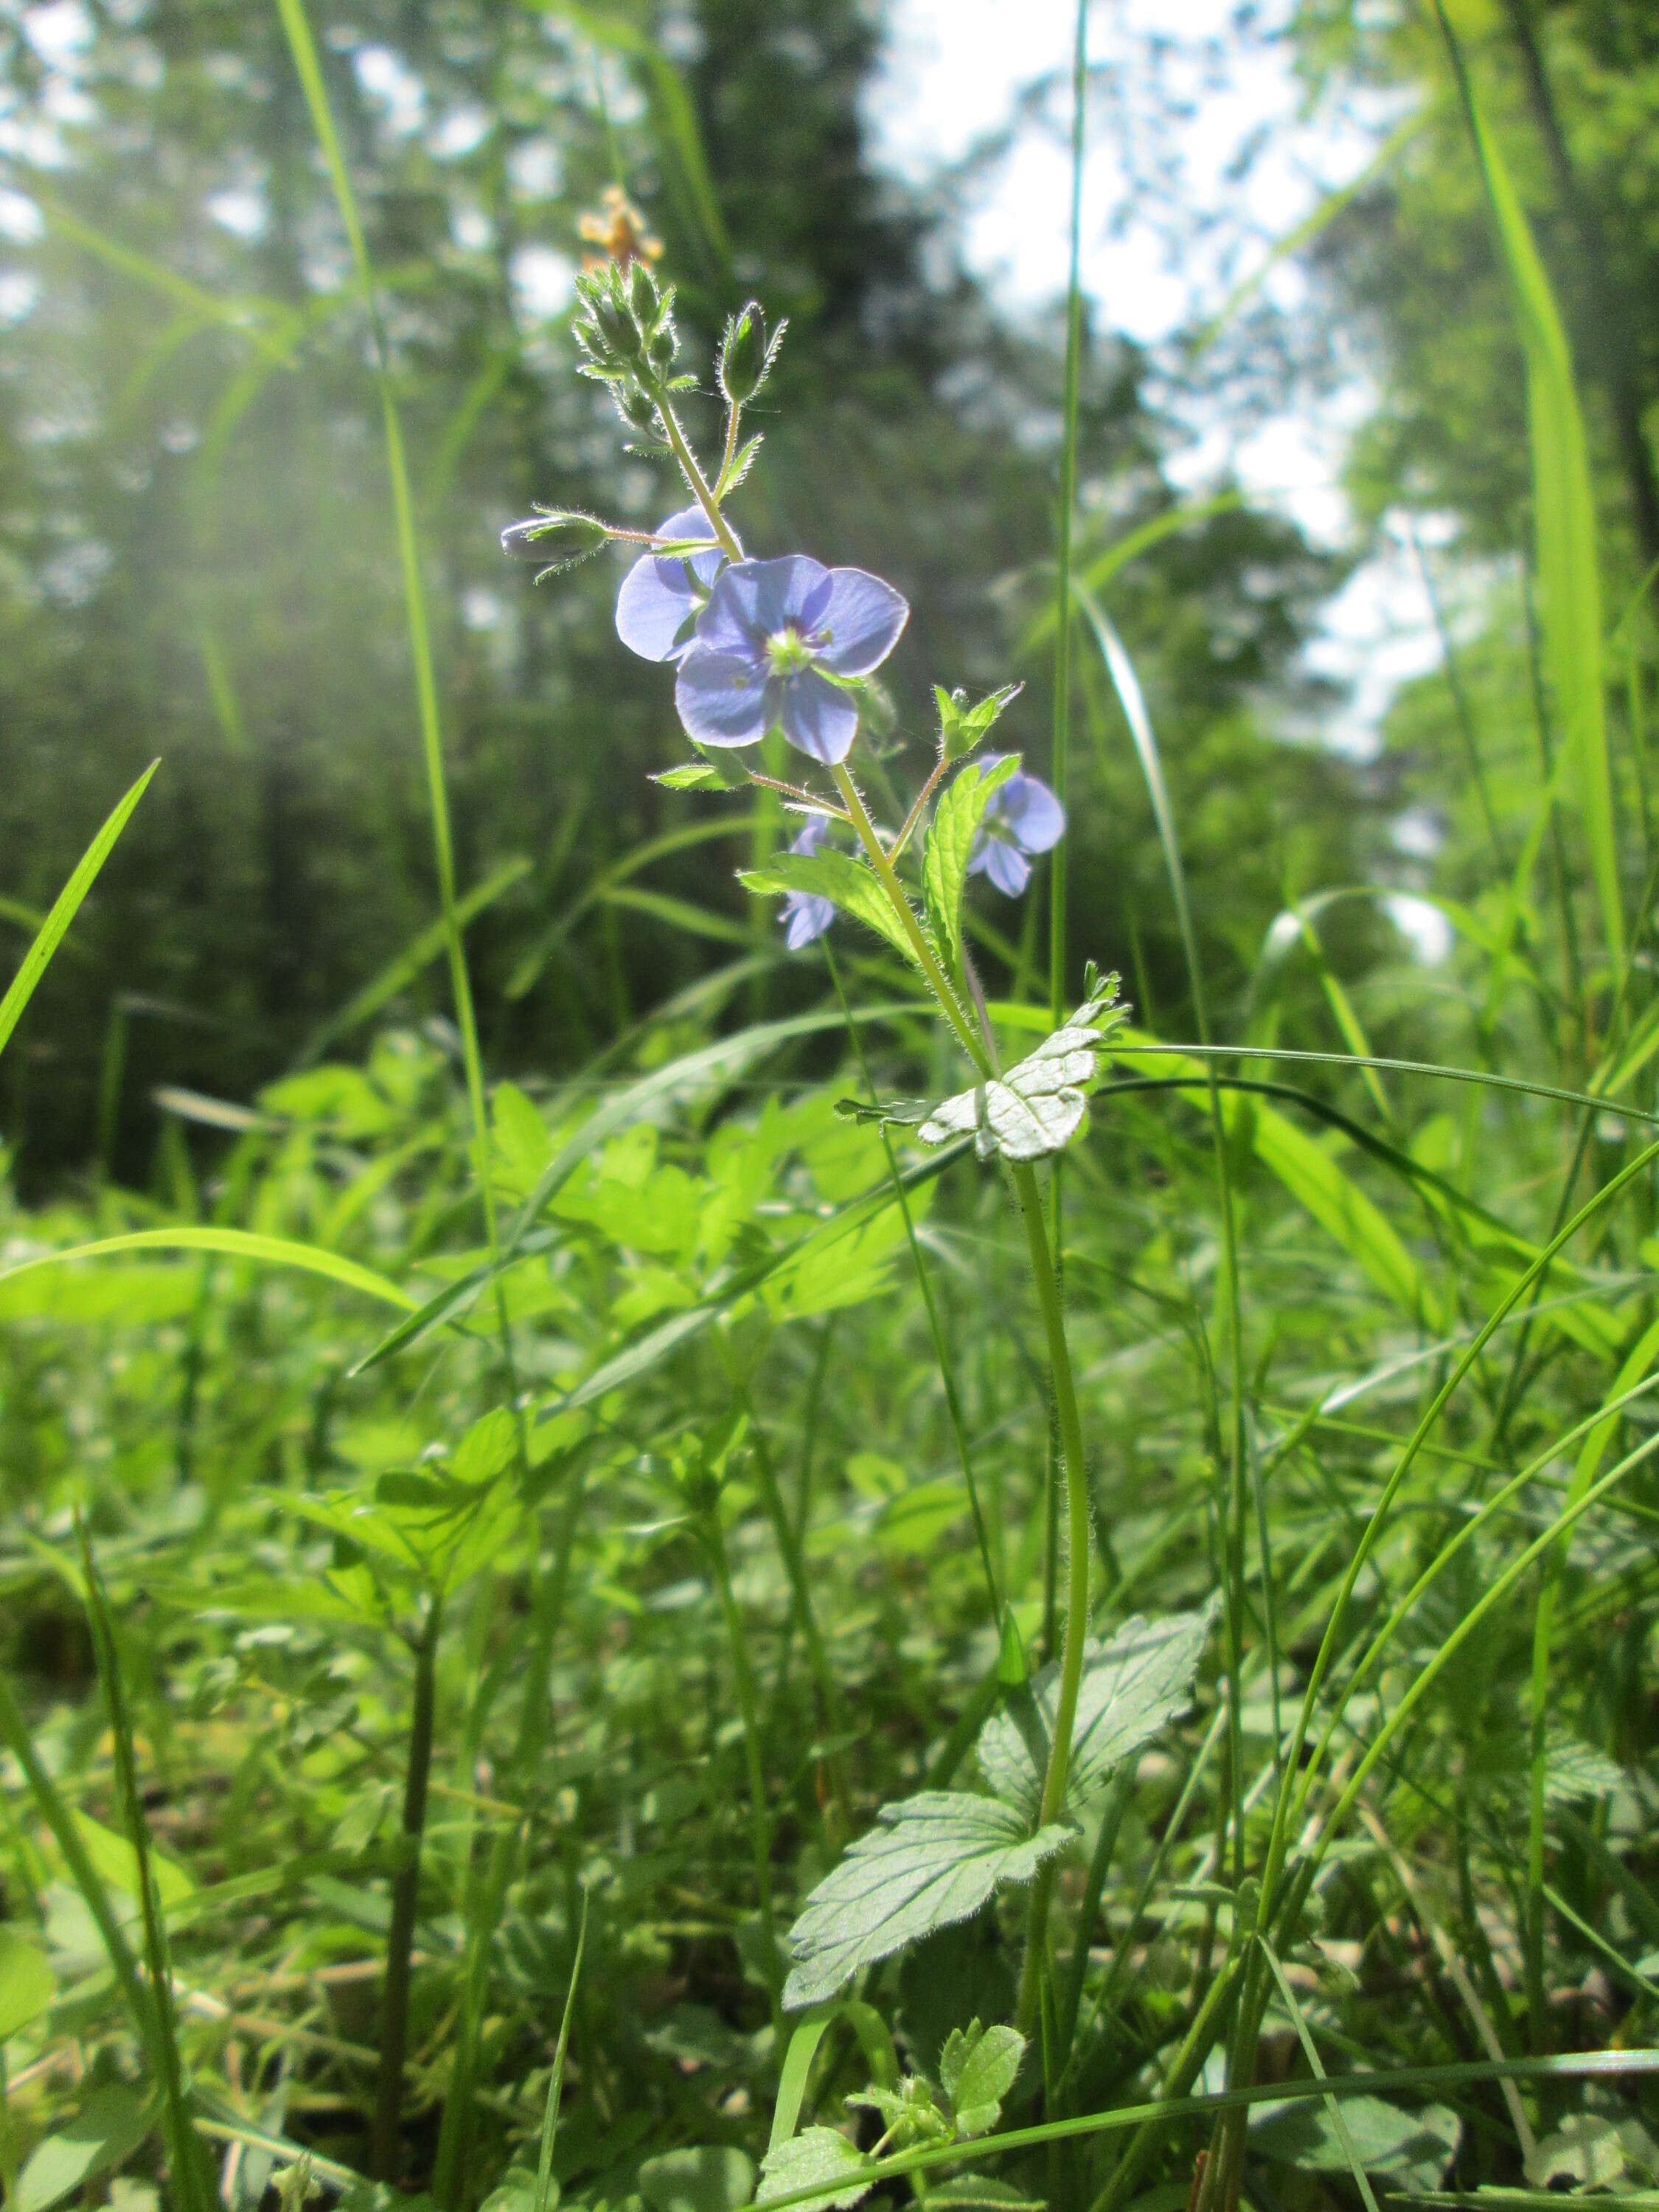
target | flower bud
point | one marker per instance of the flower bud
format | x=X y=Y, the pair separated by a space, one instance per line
x=662 y=345
x=643 y=293
x=636 y=408
x=555 y=536
x=746 y=355
x=618 y=327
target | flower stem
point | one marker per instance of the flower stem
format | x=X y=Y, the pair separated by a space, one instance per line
x=1053 y=1804
x=1047 y=1282
x=926 y=957
x=699 y=482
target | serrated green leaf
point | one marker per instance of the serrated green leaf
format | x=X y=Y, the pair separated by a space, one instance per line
x=1574 y=1769
x=1039 y=1106
x=949 y=844
x=933 y=1859
x=1131 y=1686
x=837 y=877
x=814 y=2157
x=977 y=2069
x=28 y=1983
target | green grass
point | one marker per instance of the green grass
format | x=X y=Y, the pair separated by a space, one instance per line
x=414 y=1771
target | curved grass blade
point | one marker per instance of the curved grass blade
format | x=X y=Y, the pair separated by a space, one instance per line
x=236 y=1244
x=64 y=909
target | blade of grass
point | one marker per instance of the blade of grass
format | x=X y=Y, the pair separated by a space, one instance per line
x=1563 y=511
x=544 y=2197
x=64 y=909
x=236 y=1244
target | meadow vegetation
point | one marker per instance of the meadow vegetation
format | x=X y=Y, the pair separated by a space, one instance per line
x=807 y=1426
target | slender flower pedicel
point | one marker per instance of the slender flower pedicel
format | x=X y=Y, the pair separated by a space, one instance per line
x=786 y=645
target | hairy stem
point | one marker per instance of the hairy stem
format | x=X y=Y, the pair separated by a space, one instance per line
x=699 y=482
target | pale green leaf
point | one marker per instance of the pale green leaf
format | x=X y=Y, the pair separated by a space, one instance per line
x=28 y=1983
x=110 y=2125
x=933 y=1859
x=1039 y=1106
x=811 y=2159
x=1131 y=1686
x=1413 y=2149
x=716 y=2178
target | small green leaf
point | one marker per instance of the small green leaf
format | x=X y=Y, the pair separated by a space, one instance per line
x=933 y=1859
x=837 y=877
x=28 y=1983
x=808 y=2160
x=950 y=845
x=977 y=2068
x=1131 y=1686
x=717 y=2178
x=110 y=2125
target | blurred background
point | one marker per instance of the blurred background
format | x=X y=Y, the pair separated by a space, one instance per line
x=1302 y=402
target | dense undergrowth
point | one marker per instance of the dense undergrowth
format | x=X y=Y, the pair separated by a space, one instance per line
x=480 y=1557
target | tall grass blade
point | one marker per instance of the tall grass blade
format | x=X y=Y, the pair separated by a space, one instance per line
x=64 y=909
x=543 y=2199
x=1564 y=514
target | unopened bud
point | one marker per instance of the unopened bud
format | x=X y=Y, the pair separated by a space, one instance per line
x=636 y=408
x=618 y=329
x=746 y=355
x=641 y=294
x=555 y=536
x=662 y=345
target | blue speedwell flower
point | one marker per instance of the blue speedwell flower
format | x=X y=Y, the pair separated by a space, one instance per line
x=1023 y=817
x=805 y=917
x=662 y=593
x=768 y=645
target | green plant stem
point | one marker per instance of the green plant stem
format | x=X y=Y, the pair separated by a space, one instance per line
x=1061 y=764
x=699 y=482
x=926 y=959
x=405 y=1900
x=760 y=1827
x=1077 y=1589
x=1065 y=1397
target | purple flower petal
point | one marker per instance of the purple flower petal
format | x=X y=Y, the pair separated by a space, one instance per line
x=818 y=718
x=722 y=697
x=753 y=600
x=804 y=918
x=1034 y=818
x=864 y=617
x=1008 y=869
x=656 y=605
x=814 y=832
